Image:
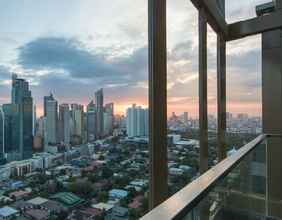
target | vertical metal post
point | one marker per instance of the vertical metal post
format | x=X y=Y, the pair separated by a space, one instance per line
x=221 y=92
x=221 y=97
x=203 y=91
x=157 y=102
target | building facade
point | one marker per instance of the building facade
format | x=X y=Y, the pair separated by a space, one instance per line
x=21 y=96
x=99 y=100
x=51 y=107
x=64 y=123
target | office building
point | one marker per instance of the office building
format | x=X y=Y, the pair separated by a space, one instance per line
x=2 y=136
x=12 y=131
x=108 y=118
x=77 y=117
x=185 y=117
x=137 y=121
x=21 y=96
x=64 y=123
x=51 y=120
x=47 y=98
x=99 y=101
x=91 y=121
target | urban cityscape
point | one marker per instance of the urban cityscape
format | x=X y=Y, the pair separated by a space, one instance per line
x=150 y=110
x=85 y=162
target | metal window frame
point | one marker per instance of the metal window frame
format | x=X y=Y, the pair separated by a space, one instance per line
x=238 y=30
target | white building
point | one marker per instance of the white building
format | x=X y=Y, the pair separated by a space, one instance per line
x=51 y=121
x=77 y=119
x=64 y=123
x=137 y=121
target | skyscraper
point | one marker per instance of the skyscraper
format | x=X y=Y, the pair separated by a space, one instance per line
x=77 y=113
x=131 y=121
x=140 y=120
x=51 y=108
x=46 y=98
x=99 y=99
x=185 y=117
x=64 y=123
x=12 y=131
x=108 y=118
x=2 y=136
x=26 y=150
x=21 y=96
x=137 y=121
x=91 y=122
x=146 y=122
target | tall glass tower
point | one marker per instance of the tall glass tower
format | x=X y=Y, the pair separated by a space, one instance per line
x=2 y=136
x=99 y=99
x=21 y=96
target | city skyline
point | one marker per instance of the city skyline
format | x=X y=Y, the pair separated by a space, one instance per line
x=66 y=50
x=121 y=110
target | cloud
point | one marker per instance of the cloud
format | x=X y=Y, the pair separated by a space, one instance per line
x=71 y=56
x=4 y=73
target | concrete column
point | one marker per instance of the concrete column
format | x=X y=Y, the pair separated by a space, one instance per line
x=221 y=91
x=203 y=91
x=157 y=102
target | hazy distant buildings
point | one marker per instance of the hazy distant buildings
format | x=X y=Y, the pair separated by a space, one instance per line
x=185 y=117
x=137 y=121
x=51 y=119
x=99 y=101
x=64 y=123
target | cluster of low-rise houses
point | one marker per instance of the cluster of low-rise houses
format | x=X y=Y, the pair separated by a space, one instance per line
x=117 y=172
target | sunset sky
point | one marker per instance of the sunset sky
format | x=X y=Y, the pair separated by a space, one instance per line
x=74 y=47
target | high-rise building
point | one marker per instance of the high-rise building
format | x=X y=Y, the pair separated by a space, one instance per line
x=131 y=121
x=21 y=96
x=137 y=121
x=185 y=117
x=91 y=122
x=2 y=136
x=108 y=118
x=51 y=108
x=47 y=98
x=26 y=150
x=99 y=99
x=146 y=121
x=77 y=113
x=64 y=123
x=11 y=129
x=140 y=121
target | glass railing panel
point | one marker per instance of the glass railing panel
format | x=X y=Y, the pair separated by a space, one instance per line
x=241 y=194
x=274 y=174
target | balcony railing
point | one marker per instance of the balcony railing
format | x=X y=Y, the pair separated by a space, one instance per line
x=236 y=188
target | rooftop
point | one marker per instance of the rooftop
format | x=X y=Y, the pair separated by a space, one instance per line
x=38 y=201
x=68 y=199
x=7 y=211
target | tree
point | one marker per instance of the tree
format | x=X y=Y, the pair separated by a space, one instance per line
x=81 y=187
x=106 y=172
x=102 y=196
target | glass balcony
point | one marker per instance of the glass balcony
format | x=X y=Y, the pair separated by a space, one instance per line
x=239 y=187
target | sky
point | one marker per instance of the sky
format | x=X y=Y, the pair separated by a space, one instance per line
x=74 y=47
